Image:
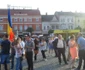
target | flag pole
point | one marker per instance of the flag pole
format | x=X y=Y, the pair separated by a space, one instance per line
x=8 y=6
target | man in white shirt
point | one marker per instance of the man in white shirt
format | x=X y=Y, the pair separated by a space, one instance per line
x=61 y=49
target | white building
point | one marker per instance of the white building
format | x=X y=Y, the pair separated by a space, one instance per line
x=66 y=20
x=63 y=20
x=46 y=19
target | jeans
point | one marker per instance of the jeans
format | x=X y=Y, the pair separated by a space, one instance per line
x=5 y=59
x=18 y=63
x=12 y=61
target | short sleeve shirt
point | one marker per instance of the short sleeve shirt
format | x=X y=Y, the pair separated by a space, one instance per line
x=5 y=47
x=81 y=42
x=29 y=44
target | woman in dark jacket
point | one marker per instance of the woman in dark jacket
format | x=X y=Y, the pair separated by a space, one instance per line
x=36 y=41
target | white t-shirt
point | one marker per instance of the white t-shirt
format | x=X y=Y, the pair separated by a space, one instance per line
x=18 y=51
x=23 y=46
x=44 y=46
x=60 y=44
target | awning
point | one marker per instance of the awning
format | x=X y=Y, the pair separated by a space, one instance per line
x=66 y=31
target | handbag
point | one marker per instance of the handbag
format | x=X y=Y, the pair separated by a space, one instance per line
x=36 y=51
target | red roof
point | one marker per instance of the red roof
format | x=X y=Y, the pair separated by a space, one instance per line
x=29 y=12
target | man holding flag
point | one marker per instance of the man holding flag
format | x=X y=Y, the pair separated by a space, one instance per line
x=6 y=44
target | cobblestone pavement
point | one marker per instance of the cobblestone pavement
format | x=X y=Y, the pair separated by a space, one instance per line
x=51 y=64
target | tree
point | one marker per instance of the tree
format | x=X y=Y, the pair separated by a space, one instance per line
x=50 y=31
x=30 y=29
x=79 y=28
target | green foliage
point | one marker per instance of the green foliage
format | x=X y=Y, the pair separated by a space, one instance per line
x=79 y=28
x=50 y=31
x=30 y=29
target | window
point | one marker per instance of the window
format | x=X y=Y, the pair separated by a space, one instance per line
x=71 y=27
x=53 y=27
x=37 y=19
x=21 y=19
x=71 y=20
x=30 y=19
x=62 y=20
x=1 y=19
x=15 y=19
x=68 y=20
x=48 y=27
x=44 y=28
x=20 y=27
x=1 y=27
x=25 y=19
x=15 y=27
x=56 y=26
x=37 y=27
x=25 y=27
x=78 y=20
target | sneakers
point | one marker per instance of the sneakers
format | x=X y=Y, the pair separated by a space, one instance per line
x=45 y=60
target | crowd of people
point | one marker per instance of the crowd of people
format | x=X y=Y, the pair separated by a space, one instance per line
x=27 y=47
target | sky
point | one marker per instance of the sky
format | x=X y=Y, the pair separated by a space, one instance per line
x=47 y=6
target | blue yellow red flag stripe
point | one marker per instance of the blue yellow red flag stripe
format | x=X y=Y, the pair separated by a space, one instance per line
x=9 y=27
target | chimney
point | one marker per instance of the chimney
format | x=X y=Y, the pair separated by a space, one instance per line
x=46 y=13
x=37 y=8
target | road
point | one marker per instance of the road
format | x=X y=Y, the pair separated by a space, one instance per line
x=51 y=64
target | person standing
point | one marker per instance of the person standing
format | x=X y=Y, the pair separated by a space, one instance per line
x=5 y=53
x=61 y=49
x=81 y=45
x=68 y=48
x=43 y=48
x=29 y=46
x=36 y=41
x=12 y=54
x=18 y=54
x=54 y=45
x=51 y=48
x=73 y=51
x=22 y=43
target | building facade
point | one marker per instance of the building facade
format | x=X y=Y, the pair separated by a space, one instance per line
x=46 y=19
x=66 y=20
x=21 y=20
x=63 y=21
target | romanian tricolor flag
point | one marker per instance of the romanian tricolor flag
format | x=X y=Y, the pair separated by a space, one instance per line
x=9 y=27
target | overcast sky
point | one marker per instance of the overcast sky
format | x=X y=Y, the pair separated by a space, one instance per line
x=49 y=6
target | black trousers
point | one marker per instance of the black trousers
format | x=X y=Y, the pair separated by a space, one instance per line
x=29 y=57
x=43 y=54
x=61 y=51
x=35 y=57
x=55 y=50
x=81 y=57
